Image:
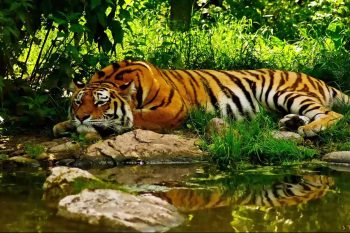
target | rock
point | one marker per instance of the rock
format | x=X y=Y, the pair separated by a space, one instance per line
x=341 y=167
x=337 y=157
x=119 y=210
x=148 y=146
x=149 y=174
x=59 y=183
x=216 y=126
x=287 y=135
x=24 y=161
x=65 y=150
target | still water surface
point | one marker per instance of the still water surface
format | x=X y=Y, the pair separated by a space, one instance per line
x=294 y=198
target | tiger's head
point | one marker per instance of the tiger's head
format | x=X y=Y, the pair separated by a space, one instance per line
x=100 y=107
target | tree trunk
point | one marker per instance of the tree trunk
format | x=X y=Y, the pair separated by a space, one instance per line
x=180 y=14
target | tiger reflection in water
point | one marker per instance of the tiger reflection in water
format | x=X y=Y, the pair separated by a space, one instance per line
x=298 y=189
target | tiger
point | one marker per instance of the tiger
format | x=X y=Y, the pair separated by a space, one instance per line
x=292 y=191
x=137 y=94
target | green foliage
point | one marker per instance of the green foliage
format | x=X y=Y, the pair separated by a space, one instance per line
x=248 y=141
x=198 y=120
x=33 y=150
x=251 y=141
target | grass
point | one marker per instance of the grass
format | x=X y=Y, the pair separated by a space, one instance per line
x=33 y=150
x=250 y=141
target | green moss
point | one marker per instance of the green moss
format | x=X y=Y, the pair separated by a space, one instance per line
x=33 y=150
x=80 y=184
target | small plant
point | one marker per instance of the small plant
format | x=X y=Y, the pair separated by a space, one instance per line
x=33 y=150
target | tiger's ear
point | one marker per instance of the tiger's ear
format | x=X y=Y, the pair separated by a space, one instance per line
x=127 y=90
x=75 y=85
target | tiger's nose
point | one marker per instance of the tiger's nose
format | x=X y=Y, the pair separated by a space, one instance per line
x=83 y=117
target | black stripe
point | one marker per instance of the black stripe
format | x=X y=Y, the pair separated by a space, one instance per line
x=100 y=83
x=252 y=74
x=275 y=101
x=290 y=192
x=213 y=99
x=320 y=89
x=229 y=112
x=262 y=87
x=139 y=93
x=101 y=74
x=115 y=105
x=268 y=198
x=125 y=86
x=227 y=92
x=119 y=76
x=191 y=77
x=241 y=72
x=303 y=108
x=170 y=97
x=115 y=65
x=271 y=73
x=239 y=83
x=122 y=107
x=286 y=73
x=157 y=106
x=153 y=98
x=290 y=102
x=191 y=80
x=311 y=109
x=167 y=79
x=311 y=81
x=261 y=71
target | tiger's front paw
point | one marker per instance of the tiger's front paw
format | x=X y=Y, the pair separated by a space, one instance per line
x=293 y=122
x=63 y=128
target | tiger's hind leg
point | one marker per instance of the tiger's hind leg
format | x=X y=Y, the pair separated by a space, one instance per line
x=323 y=119
x=305 y=104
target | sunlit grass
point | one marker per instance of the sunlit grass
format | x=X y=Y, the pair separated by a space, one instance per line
x=248 y=141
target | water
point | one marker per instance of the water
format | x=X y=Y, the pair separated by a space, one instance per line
x=211 y=200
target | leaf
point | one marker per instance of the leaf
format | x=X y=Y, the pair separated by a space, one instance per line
x=77 y=28
x=94 y=4
x=102 y=18
x=117 y=31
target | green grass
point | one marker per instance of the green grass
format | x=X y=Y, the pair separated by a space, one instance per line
x=336 y=137
x=248 y=141
x=33 y=150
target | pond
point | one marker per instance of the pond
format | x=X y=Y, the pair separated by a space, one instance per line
x=312 y=197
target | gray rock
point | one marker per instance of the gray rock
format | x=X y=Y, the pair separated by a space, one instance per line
x=337 y=157
x=147 y=146
x=24 y=161
x=287 y=135
x=59 y=183
x=119 y=210
x=216 y=126
x=65 y=150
